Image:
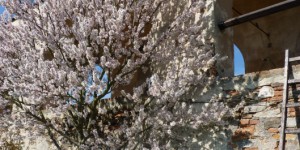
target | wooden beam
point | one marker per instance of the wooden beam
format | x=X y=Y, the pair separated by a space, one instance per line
x=259 y=13
x=293 y=81
x=294 y=59
x=293 y=105
x=292 y=131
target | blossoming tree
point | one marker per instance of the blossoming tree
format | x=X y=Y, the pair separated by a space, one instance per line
x=48 y=60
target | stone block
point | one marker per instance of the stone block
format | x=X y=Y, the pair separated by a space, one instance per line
x=266 y=91
x=292 y=145
x=268 y=114
x=273 y=122
x=253 y=109
x=291 y=122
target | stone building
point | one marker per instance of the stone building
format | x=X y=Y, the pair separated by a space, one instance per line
x=263 y=30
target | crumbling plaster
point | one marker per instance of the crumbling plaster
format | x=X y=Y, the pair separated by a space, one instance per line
x=255 y=125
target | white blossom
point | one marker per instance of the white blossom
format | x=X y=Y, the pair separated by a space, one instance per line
x=48 y=71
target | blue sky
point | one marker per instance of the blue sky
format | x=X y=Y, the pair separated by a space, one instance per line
x=1 y=9
x=239 y=63
x=98 y=68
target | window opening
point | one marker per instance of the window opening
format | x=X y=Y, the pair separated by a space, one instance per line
x=239 y=63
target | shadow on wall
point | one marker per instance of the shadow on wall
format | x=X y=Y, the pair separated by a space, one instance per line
x=231 y=92
x=205 y=138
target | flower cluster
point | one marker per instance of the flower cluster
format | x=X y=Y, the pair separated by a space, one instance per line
x=49 y=57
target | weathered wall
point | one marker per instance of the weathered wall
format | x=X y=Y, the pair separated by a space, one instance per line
x=208 y=18
x=223 y=39
x=256 y=125
x=263 y=41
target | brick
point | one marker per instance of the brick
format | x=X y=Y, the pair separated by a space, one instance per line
x=244 y=122
x=253 y=122
x=278 y=93
x=251 y=148
x=273 y=130
x=291 y=109
x=287 y=136
x=276 y=136
x=243 y=133
x=276 y=99
x=233 y=92
x=249 y=129
x=272 y=99
x=279 y=88
x=293 y=114
x=247 y=116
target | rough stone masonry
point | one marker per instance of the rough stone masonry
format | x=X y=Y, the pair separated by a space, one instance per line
x=256 y=125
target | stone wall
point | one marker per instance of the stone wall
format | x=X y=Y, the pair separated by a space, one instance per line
x=256 y=125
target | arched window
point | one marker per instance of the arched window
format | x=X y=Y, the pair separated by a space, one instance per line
x=239 y=63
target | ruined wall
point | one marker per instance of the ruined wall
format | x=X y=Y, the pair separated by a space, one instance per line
x=207 y=19
x=223 y=39
x=256 y=125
